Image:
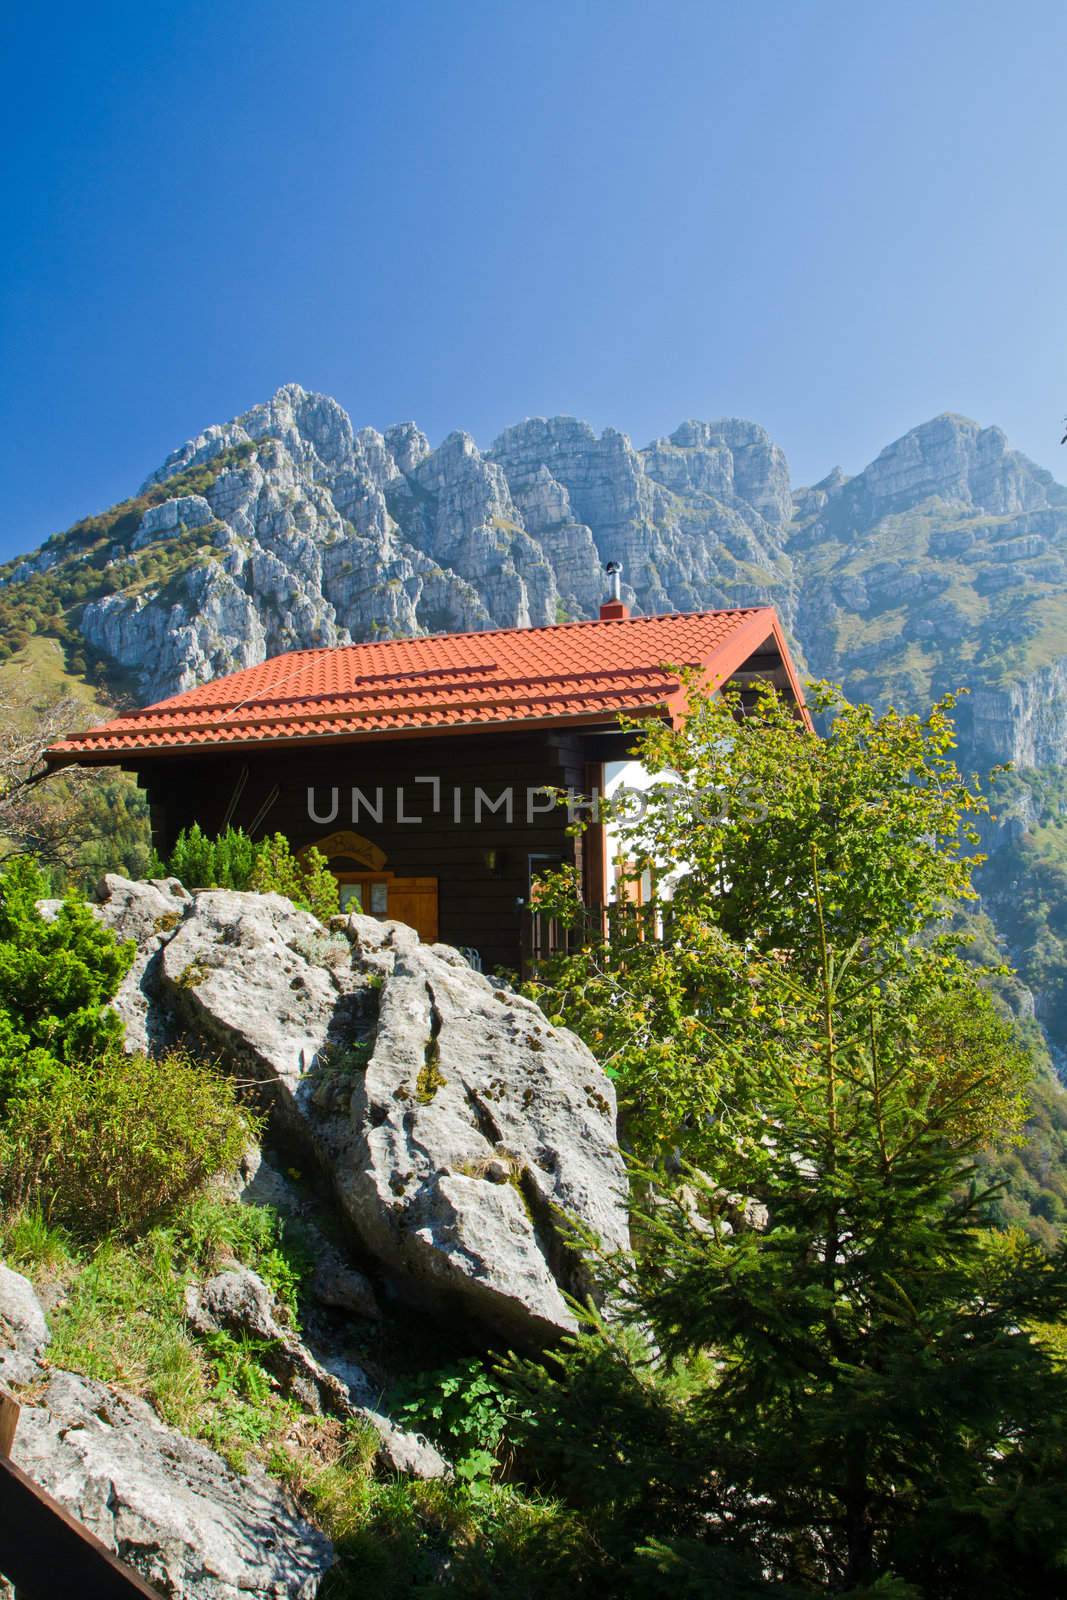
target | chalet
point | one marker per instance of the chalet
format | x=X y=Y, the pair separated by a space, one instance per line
x=419 y=766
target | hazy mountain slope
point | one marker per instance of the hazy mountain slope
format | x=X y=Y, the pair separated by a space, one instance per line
x=943 y=562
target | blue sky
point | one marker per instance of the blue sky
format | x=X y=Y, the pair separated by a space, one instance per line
x=838 y=219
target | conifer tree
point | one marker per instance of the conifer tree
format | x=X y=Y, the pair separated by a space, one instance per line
x=837 y=1378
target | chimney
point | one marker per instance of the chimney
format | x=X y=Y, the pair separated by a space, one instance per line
x=614 y=609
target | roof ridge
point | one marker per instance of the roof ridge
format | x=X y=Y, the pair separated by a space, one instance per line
x=495 y=633
x=549 y=627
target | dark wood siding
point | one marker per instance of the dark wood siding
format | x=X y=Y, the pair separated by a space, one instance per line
x=480 y=899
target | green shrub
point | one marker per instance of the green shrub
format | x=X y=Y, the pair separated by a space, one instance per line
x=193 y=859
x=309 y=883
x=234 y=861
x=109 y=1149
x=55 y=981
x=471 y=1540
x=223 y=863
x=465 y=1410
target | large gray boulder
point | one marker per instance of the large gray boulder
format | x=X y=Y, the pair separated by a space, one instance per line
x=480 y=1126
x=457 y=1128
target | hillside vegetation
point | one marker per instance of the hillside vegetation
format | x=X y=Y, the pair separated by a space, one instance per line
x=821 y=1361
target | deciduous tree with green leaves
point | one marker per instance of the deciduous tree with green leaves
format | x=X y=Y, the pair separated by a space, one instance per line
x=808 y=1067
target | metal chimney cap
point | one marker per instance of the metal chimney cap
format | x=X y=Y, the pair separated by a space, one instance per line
x=614 y=572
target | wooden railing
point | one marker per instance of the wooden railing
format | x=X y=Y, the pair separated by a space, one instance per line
x=44 y=1552
x=609 y=927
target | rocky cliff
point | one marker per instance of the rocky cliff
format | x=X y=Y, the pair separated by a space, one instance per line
x=943 y=561
x=305 y=532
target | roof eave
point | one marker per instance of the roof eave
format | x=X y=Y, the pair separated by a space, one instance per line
x=57 y=758
x=731 y=656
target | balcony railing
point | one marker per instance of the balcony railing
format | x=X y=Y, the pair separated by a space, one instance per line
x=606 y=927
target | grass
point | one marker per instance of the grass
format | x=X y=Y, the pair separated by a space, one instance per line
x=120 y=1320
x=37 y=676
x=28 y=1244
x=1045 y=645
x=122 y=1323
x=855 y=632
x=434 y=1538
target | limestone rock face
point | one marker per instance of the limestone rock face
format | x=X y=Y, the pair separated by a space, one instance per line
x=210 y=627
x=946 y=557
x=167 y=1505
x=955 y=459
x=321 y=535
x=163 y=521
x=23 y=1328
x=244 y=972
x=942 y=563
x=453 y=1123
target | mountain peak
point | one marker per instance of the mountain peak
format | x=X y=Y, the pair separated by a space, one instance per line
x=954 y=458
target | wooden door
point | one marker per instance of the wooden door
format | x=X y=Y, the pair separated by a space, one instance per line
x=414 y=901
x=381 y=895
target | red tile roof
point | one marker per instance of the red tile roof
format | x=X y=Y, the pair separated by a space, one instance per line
x=576 y=673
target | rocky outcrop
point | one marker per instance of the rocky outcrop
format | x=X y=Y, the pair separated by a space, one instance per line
x=459 y=1131
x=457 y=1128
x=1024 y=722
x=167 y=1505
x=953 y=459
x=147 y=914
